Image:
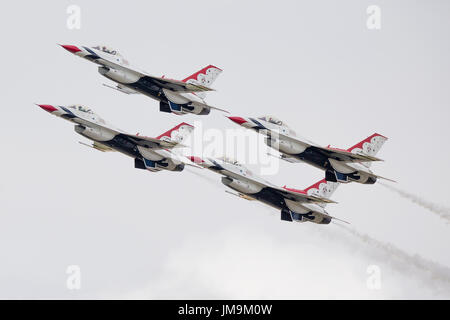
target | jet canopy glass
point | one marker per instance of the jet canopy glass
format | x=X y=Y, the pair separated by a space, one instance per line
x=273 y=120
x=81 y=108
x=229 y=160
x=107 y=50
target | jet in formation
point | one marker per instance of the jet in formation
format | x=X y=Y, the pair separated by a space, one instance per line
x=153 y=154
x=351 y=165
x=174 y=96
x=306 y=205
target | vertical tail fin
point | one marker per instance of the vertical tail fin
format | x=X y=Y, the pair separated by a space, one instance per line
x=323 y=189
x=204 y=77
x=178 y=133
x=370 y=146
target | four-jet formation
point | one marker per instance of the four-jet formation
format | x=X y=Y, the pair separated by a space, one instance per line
x=176 y=96
x=187 y=96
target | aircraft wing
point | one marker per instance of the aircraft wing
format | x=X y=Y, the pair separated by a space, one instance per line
x=338 y=154
x=171 y=84
x=347 y=156
x=152 y=142
x=137 y=139
x=178 y=86
x=297 y=196
x=184 y=160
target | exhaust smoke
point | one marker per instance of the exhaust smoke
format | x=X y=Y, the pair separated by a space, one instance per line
x=439 y=210
x=437 y=276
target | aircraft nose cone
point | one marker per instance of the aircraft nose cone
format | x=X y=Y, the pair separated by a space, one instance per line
x=238 y=120
x=47 y=107
x=70 y=48
x=195 y=159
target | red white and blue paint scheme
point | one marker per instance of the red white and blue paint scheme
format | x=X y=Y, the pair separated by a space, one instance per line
x=153 y=154
x=306 y=205
x=174 y=96
x=351 y=165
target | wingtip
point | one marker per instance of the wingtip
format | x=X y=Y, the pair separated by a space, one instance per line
x=218 y=109
x=387 y=179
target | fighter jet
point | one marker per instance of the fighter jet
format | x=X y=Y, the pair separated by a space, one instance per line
x=179 y=97
x=153 y=154
x=339 y=165
x=306 y=205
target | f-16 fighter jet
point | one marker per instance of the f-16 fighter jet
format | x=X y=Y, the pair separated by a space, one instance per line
x=179 y=97
x=295 y=205
x=153 y=154
x=339 y=165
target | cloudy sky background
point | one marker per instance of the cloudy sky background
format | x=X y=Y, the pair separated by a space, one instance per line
x=137 y=234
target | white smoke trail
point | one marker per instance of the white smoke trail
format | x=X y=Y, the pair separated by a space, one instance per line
x=439 y=210
x=438 y=274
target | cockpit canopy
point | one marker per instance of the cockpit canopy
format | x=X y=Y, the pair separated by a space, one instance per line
x=107 y=50
x=229 y=160
x=81 y=108
x=273 y=120
x=89 y=113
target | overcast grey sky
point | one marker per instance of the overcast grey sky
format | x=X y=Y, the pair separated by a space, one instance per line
x=137 y=234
